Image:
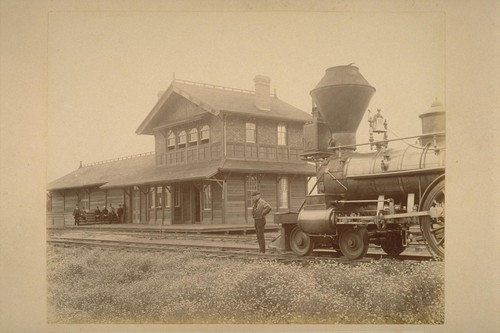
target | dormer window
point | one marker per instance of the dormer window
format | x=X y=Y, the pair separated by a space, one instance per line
x=181 y=143
x=281 y=135
x=251 y=132
x=170 y=141
x=193 y=137
x=205 y=134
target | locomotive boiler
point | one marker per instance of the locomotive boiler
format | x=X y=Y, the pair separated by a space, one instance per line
x=378 y=196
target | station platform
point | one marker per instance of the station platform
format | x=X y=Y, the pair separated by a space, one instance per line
x=178 y=228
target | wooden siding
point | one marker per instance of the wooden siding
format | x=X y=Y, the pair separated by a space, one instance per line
x=57 y=203
x=297 y=192
x=97 y=198
x=55 y=218
x=235 y=204
x=166 y=216
x=70 y=201
x=268 y=192
x=115 y=198
x=187 y=204
x=217 y=203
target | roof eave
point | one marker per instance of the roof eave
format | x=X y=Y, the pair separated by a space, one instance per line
x=144 y=126
x=69 y=187
x=267 y=116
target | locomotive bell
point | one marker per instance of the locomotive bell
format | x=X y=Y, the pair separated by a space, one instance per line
x=342 y=97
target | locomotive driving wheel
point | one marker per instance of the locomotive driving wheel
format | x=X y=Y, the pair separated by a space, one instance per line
x=354 y=242
x=300 y=242
x=432 y=226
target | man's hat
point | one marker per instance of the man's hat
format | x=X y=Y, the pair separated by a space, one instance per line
x=254 y=193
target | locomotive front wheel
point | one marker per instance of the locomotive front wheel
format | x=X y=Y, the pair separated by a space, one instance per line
x=433 y=226
x=300 y=242
x=393 y=245
x=354 y=242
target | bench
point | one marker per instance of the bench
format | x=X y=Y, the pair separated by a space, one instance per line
x=90 y=218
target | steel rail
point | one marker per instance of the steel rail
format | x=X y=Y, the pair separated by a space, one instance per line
x=226 y=251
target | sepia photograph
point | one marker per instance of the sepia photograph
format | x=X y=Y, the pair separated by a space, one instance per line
x=243 y=166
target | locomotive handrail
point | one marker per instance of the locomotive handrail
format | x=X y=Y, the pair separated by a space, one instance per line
x=383 y=141
x=361 y=201
x=397 y=173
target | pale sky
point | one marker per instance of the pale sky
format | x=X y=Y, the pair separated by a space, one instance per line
x=105 y=69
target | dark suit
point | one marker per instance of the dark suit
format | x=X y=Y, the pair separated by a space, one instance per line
x=97 y=214
x=259 y=211
x=119 y=211
x=76 y=214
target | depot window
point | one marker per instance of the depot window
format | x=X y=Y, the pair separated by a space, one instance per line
x=159 y=196
x=177 y=196
x=207 y=197
x=171 y=140
x=193 y=137
x=281 y=135
x=283 y=192
x=251 y=132
x=152 y=197
x=251 y=186
x=167 y=196
x=182 y=139
x=205 y=134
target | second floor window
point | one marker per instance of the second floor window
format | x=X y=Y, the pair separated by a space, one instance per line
x=281 y=135
x=170 y=140
x=193 y=137
x=205 y=134
x=250 y=132
x=182 y=139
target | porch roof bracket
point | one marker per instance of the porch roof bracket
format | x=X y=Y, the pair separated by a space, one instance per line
x=218 y=181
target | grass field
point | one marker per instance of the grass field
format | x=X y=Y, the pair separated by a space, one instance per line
x=105 y=286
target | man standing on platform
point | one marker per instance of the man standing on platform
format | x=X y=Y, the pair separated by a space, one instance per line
x=124 y=217
x=76 y=214
x=259 y=211
x=119 y=211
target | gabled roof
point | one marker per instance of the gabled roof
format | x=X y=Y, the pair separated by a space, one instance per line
x=174 y=174
x=98 y=174
x=216 y=99
x=141 y=170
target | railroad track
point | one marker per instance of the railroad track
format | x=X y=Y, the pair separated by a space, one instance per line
x=148 y=233
x=226 y=252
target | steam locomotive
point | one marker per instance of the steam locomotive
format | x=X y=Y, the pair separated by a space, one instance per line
x=377 y=197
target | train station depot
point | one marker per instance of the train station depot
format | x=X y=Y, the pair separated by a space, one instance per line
x=213 y=146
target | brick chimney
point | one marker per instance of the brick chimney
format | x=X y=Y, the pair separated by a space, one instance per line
x=262 y=92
